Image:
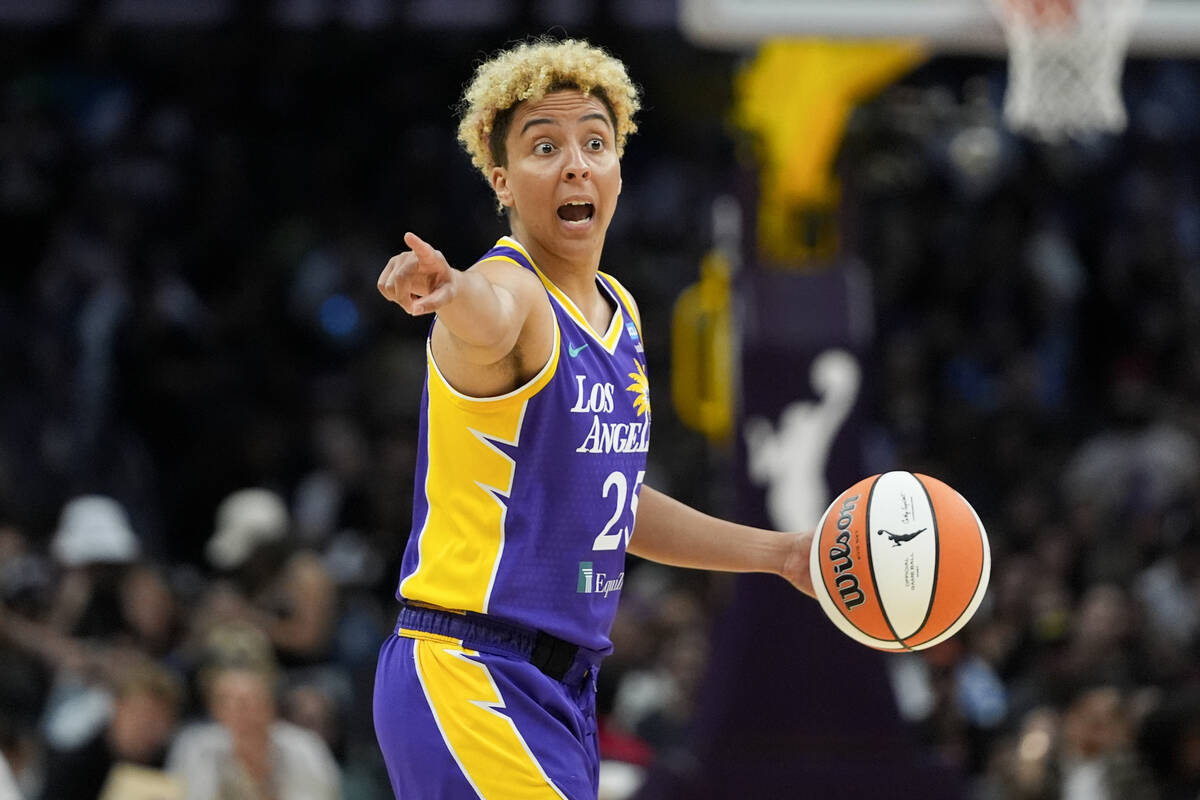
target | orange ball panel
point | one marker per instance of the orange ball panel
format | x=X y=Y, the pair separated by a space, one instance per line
x=960 y=560
x=844 y=557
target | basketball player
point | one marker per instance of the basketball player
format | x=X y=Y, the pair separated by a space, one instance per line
x=532 y=450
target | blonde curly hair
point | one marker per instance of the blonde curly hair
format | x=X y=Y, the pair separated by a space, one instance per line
x=530 y=71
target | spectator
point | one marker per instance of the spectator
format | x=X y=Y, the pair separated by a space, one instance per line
x=93 y=541
x=90 y=633
x=246 y=752
x=146 y=707
x=284 y=590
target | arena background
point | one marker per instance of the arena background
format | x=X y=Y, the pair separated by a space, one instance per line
x=196 y=197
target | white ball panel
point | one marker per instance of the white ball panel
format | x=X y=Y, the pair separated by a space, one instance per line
x=903 y=535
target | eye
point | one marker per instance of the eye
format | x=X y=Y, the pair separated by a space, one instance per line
x=543 y=148
x=595 y=144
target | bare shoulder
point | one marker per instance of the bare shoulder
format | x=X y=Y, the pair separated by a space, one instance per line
x=512 y=276
x=482 y=374
x=528 y=294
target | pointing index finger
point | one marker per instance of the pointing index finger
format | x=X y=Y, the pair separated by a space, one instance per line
x=424 y=251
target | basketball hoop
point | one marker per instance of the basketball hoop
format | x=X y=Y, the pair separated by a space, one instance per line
x=1065 y=59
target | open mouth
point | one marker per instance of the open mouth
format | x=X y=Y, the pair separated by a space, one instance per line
x=576 y=211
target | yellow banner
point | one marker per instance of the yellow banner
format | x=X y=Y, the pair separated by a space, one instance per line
x=795 y=99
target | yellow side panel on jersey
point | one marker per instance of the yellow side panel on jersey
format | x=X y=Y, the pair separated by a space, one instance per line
x=466 y=479
x=486 y=743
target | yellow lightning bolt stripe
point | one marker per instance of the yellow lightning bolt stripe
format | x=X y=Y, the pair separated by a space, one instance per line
x=468 y=709
x=461 y=541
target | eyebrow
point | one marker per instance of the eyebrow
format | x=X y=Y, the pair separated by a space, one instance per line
x=596 y=115
x=529 y=123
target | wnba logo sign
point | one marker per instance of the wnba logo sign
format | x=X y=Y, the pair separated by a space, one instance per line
x=839 y=557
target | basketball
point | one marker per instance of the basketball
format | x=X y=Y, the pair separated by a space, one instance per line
x=900 y=561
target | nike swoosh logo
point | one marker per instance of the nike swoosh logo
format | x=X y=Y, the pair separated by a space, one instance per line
x=574 y=351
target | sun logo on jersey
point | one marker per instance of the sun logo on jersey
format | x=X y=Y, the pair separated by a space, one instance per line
x=640 y=388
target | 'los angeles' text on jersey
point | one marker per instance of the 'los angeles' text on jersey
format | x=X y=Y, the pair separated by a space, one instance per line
x=525 y=503
x=604 y=436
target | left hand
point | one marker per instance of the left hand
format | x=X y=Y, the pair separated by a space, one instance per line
x=795 y=568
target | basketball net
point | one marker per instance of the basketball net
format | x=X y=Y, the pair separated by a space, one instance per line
x=1065 y=59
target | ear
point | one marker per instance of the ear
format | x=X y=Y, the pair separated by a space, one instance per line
x=500 y=186
x=620 y=184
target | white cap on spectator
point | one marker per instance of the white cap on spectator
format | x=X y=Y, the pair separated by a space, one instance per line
x=94 y=529
x=246 y=519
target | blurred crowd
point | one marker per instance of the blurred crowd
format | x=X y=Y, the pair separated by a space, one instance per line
x=1038 y=312
x=208 y=417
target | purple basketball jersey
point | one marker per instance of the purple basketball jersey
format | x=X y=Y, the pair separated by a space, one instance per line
x=524 y=503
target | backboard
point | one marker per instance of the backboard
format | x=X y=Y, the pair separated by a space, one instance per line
x=1166 y=27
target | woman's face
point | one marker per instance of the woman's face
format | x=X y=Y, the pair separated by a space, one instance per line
x=241 y=700
x=563 y=175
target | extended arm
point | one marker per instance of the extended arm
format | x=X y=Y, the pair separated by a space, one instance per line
x=495 y=326
x=670 y=532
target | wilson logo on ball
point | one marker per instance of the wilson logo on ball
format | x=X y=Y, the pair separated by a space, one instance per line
x=839 y=556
